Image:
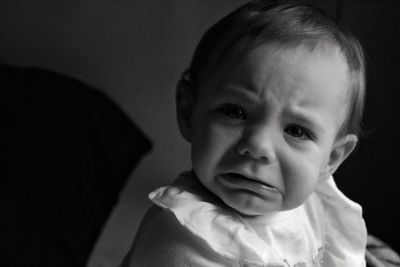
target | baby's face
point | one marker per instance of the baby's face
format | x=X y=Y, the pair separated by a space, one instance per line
x=264 y=126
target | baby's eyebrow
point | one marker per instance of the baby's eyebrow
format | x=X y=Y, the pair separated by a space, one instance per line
x=241 y=92
x=308 y=119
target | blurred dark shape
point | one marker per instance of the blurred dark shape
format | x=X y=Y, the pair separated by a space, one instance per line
x=66 y=151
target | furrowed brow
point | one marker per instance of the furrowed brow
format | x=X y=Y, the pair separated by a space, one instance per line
x=239 y=92
x=307 y=119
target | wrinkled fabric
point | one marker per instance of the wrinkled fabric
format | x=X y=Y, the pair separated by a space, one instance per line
x=327 y=230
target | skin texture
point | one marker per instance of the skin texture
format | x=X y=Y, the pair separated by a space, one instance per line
x=264 y=127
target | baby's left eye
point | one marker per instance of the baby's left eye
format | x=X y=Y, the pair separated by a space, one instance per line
x=298 y=132
x=234 y=111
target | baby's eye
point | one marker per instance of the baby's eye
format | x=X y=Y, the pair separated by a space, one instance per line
x=298 y=132
x=234 y=111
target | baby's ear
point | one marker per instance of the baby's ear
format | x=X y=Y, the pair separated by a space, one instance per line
x=184 y=108
x=341 y=150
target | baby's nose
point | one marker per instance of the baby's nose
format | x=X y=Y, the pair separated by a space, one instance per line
x=258 y=143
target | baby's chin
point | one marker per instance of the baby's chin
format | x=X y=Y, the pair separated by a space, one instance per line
x=254 y=213
x=253 y=209
x=257 y=208
x=245 y=203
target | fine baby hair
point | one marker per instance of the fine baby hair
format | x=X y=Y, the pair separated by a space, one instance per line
x=289 y=23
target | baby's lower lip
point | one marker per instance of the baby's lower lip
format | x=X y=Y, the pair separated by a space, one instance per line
x=237 y=181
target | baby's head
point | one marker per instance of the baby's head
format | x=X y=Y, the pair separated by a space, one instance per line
x=271 y=104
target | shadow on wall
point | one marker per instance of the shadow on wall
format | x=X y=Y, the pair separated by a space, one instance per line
x=67 y=151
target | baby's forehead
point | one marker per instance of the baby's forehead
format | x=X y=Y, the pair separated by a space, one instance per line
x=233 y=57
x=243 y=48
x=322 y=69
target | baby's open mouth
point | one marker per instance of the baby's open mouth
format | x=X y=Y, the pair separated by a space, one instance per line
x=243 y=182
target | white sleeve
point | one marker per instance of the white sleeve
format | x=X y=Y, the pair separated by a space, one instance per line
x=163 y=241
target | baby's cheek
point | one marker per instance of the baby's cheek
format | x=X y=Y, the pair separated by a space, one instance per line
x=300 y=181
x=205 y=153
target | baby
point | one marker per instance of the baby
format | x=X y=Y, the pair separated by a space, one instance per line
x=271 y=105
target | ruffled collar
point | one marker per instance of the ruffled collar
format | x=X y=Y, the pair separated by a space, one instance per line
x=293 y=238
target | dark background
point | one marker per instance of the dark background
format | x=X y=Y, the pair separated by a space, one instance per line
x=370 y=177
x=134 y=51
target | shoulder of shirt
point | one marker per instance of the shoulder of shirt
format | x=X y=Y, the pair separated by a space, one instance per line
x=343 y=221
x=163 y=241
x=330 y=195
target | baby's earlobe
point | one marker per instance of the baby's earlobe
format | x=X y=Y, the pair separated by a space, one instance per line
x=341 y=150
x=325 y=173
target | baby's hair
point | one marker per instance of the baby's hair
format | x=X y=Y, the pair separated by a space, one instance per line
x=288 y=23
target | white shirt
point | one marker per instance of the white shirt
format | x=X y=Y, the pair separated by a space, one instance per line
x=327 y=230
